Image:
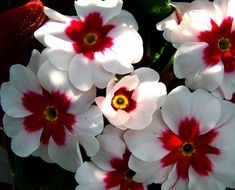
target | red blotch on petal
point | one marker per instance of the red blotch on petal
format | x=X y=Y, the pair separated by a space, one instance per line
x=170 y=140
x=78 y=31
x=214 y=52
x=201 y=164
x=119 y=176
x=37 y=104
x=195 y=155
x=188 y=129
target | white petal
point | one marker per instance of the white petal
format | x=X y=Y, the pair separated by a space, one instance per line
x=11 y=101
x=82 y=100
x=89 y=143
x=137 y=141
x=206 y=109
x=91 y=186
x=120 y=119
x=90 y=121
x=148 y=172
x=107 y=144
x=100 y=76
x=54 y=15
x=188 y=59
x=230 y=11
x=35 y=61
x=223 y=167
x=176 y=107
x=140 y=118
x=43 y=153
x=227 y=88
x=25 y=143
x=129 y=82
x=68 y=156
x=111 y=63
x=12 y=126
x=189 y=64
x=114 y=131
x=198 y=182
x=156 y=91
x=95 y=174
x=125 y=18
x=24 y=79
x=80 y=73
x=60 y=58
x=130 y=52
x=146 y=74
x=105 y=107
x=55 y=42
x=102 y=160
x=107 y=9
x=174 y=182
x=51 y=28
x=208 y=78
x=225 y=127
x=53 y=79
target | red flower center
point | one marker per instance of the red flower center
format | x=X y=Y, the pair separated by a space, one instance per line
x=122 y=99
x=221 y=45
x=90 y=35
x=189 y=148
x=122 y=175
x=49 y=111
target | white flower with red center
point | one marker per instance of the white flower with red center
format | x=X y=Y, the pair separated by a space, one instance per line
x=188 y=145
x=45 y=116
x=109 y=167
x=205 y=42
x=94 y=43
x=130 y=102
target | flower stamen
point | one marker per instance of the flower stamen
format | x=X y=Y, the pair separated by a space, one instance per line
x=51 y=113
x=188 y=149
x=90 y=39
x=120 y=101
x=224 y=44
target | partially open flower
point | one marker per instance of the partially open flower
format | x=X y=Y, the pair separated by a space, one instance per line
x=47 y=117
x=100 y=41
x=127 y=105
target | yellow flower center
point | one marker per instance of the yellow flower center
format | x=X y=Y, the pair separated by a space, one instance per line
x=120 y=101
x=51 y=113
x=188 y=149
x=224 y=44
x=90 y=39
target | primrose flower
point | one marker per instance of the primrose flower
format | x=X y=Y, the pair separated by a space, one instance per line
x=99 y=42
x=188 y=145
x=109 y=167
x=130 y=102
x=205 y=42
x=45 y=116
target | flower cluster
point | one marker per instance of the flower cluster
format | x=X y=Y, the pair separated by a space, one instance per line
x=84 y=97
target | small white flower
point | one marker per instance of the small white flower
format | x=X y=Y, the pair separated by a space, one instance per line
x=130 y=103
